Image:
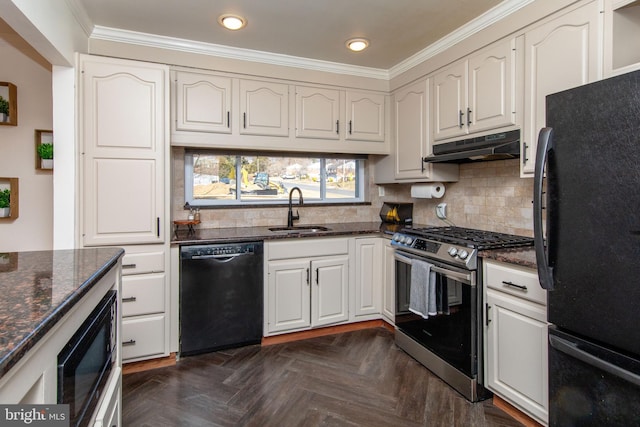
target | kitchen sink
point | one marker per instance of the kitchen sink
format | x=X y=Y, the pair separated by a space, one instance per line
x=299 y=229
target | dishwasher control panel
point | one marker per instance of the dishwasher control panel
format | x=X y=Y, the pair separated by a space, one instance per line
x=220 y=250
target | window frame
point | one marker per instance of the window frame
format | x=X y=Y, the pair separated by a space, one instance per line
x=360 y=190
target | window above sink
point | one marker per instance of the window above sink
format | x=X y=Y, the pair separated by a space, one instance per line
x=215 y=178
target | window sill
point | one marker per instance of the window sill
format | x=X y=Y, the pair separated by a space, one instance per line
x=273 y=205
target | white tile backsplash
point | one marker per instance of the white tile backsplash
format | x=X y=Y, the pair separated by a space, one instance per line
x=489 y=196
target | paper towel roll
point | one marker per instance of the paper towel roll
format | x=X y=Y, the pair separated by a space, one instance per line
x=427 y=191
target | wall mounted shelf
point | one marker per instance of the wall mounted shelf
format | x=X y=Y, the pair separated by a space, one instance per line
x=43 y=137
x=9 y=93
x=14 y=201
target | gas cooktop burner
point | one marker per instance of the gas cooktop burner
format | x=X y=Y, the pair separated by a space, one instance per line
x=479 y=239
x=455 y=245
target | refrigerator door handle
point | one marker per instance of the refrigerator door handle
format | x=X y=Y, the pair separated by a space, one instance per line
x=572 y=350
x=545 y=145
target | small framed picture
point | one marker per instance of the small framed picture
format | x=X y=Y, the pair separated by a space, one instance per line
x=8 y=104
x=44 y=149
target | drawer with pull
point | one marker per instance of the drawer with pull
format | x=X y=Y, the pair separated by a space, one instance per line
x=143 y=337
x=143 y=294
x=514 y=280
x=143 y=259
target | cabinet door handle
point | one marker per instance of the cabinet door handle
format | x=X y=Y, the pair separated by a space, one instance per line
x=460 y=123
x=469 y=116
x=244 y=120
x=350 y=126
x=129 y=299
x=157 y=226
x=228 y=119
x=126 y=266
x=130 y=342
x=337 y=126
x=307 y=276
x=513 y=285
x=487 y=320
x=317 y=276
x=524 y=153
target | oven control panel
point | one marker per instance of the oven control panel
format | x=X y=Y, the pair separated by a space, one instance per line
x=455 y=254
x=418 y=243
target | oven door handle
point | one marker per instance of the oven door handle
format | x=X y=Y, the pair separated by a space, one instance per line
x=461 y=277
x=403 y=258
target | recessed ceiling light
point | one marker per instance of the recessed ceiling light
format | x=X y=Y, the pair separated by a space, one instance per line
x=232 y=22
x=357 y=45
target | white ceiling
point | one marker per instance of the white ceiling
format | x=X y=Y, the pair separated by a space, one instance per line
x=313 y=29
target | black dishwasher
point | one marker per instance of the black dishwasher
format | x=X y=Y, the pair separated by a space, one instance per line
x=221 y=296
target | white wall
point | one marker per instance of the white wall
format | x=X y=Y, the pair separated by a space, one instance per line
x=33 y=229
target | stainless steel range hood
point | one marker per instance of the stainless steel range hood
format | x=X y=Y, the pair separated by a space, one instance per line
x=498 y=146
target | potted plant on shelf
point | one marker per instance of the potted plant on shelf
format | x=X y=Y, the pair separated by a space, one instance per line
x=4 y=110
x=5 y=200
x=45 y=152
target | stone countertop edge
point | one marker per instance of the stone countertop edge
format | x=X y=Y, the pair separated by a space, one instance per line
x=237 y=234
x=523 y=256
x=40 y=289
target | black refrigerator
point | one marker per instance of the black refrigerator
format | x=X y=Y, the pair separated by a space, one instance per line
x=587 y=236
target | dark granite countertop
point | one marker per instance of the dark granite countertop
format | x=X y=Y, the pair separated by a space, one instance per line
x=524 y=257
x=38 y=288
x=237 y=234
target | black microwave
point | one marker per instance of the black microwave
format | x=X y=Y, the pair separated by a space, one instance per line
x=85 y=362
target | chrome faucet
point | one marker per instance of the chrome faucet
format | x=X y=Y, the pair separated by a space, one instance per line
x=291 y=217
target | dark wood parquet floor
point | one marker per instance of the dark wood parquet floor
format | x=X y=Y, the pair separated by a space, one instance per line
x=352 y=379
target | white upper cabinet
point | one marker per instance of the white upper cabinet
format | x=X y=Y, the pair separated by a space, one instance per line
x=227 y=111
x=264 y=107
x=411 y=141
x=493 y=76
x=317 y=113
x=622 y=30
x=123 y=115
x=365 y=116
x=450 y=101
x=411 y=129
x=340 y=115
x=203 y=103
x=476 y=94
x=560 y=54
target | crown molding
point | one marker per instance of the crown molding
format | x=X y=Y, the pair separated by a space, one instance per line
x=184 y=45
x=483 y=21
x=81 y=16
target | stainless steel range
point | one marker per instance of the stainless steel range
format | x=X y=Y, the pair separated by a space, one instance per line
x=439 y=300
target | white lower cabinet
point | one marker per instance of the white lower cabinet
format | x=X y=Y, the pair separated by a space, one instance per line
x=317 y=282
x=389 y=282
x=143 y=337
x=307 y=284
x=516 y=338
x=309 y=292
x=109 y=412
x=367 y=286
x=145 y=302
